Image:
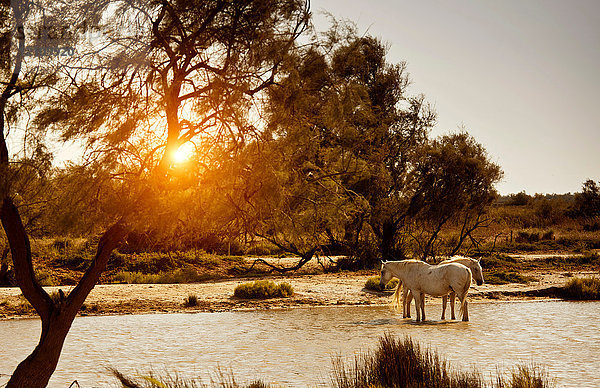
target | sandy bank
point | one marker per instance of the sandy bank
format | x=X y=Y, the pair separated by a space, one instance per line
x=310 y=290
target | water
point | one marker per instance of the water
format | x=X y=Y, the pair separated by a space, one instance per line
x=295 y=347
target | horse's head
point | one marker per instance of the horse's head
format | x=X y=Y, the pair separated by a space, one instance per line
x=477 y=272
x=385 y=275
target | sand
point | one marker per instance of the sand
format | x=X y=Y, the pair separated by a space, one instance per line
x=343 y=288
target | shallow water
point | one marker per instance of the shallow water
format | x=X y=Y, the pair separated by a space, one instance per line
x=295 y=347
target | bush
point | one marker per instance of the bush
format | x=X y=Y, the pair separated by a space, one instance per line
x=263 y=289
x=372 y=283
x=582 y=289
x=502 y=277
x=62 y=244
x=45 y=278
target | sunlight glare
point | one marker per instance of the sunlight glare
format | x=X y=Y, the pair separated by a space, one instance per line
x=184 y=153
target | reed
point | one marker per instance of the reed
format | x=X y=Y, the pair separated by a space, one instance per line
x=404 y=363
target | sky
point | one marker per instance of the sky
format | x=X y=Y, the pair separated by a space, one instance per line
x=521 y=76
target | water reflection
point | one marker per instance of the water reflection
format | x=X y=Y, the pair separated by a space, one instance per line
x=295 y=347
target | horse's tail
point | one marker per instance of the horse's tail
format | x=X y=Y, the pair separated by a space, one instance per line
x=396 y=297
x=465 y=291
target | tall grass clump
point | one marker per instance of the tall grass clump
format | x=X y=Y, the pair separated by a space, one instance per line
x=372 y=284
x=523 y=376
x=582 y=289
x=191 y=301
x=403 y=363
x=400 y=363
x=263 y=289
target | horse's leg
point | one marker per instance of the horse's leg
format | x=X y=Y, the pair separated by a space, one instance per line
x=418 y=296
x=452 y=299
x=423 y=306
x=406 y=303
x=444 y=300
x=464 y=307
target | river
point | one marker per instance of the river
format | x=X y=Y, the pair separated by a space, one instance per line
x=295 y=347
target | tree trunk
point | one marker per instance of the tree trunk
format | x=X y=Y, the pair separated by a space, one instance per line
x=38 y=367
x=387 y=241
x=57 y=316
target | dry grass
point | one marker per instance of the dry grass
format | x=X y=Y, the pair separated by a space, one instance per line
x=263 y=289
x=403 y=363
x=582 y=289
x=372 y=283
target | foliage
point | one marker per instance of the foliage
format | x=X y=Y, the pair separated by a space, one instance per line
x=587 y=203
x=372 y=283
x=185 y=275
x=519 y=199
x=263 y=289
x=582 y=289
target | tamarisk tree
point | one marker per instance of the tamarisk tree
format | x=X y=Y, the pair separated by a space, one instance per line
x=158 y=74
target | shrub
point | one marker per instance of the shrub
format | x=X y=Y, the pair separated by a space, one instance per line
x=263 y=289
x=502 y=277
x=582 y=289
x=45 y=278
x=191 y=301
x=372 y=283
x=498 y=262
x=62 y=244
x=527 y=237
x=591 y=227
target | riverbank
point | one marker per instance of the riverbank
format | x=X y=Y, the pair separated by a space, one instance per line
x=328 y=289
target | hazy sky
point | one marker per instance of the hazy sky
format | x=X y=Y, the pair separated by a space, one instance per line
x=522 y=76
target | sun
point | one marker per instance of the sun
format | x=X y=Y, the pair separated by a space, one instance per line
x=184 y=153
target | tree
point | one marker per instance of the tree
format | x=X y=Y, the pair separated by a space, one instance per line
x=454 y=183
x=353 y=128
x=166 y=73
x=587 y=203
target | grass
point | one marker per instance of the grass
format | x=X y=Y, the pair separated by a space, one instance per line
x=263 y=289
x=372 y=283
x=582 y=289
x=173 y=381
x=394 y=363
x=191 y=301
x=505 y=277
x=185 y=275
x=403 y=363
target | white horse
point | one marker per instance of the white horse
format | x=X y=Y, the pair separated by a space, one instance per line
x=476 y=272
x=422 y=278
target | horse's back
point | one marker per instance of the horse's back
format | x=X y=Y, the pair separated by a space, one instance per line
x=456 y=272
